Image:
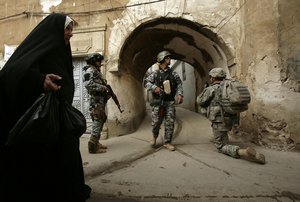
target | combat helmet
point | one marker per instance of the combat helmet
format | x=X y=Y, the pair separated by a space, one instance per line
x=162 y=55
x=217 y=72
x=92 y=58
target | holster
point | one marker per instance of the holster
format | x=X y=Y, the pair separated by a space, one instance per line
x=161 y=111
x=156 y=102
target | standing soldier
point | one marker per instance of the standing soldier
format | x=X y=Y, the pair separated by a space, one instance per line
x=98 y=91
x=223 y=122
x=164 y=84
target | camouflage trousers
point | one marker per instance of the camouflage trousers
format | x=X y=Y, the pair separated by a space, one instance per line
x=221 y=141
x=99 y=117
x=167 y=114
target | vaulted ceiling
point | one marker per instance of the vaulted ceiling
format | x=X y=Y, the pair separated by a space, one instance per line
x=186 y=40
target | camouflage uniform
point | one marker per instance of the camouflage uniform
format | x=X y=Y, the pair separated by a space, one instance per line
x=163 y=105
x=221 y=122
x=94 y=83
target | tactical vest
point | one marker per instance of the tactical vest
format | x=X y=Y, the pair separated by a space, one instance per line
x=161 y=77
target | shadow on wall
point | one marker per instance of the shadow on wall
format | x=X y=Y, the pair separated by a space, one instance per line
x=118 y=128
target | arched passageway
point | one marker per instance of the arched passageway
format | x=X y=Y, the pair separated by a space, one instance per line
x=189 y=42
x=186 y=40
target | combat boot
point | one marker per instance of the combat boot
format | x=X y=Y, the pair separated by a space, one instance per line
x=251 y=154
x=95 y=140
x=95 y=147
x=102 y=146
x=153 y=142
x=169 y=146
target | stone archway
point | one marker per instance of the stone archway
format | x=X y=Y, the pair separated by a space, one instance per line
x=188 y=42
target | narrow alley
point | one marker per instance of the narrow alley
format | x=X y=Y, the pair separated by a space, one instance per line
x=132 y=171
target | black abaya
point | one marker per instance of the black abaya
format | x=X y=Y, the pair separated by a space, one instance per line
x=39 y=172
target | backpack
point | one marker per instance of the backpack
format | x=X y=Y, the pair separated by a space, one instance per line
x=234 y=96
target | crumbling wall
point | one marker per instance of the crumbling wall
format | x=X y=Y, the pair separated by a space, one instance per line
x=269 y=53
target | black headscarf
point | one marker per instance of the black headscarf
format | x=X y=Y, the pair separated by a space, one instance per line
x=42 y=52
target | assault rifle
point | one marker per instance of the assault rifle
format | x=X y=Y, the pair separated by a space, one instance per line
x=113 y=96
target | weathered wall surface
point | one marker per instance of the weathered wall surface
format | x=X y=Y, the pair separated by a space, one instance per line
x=289 y=50
x=19 y=17
x=128 y=90
x=15 y=29
x=214 y=15
x=269 y=51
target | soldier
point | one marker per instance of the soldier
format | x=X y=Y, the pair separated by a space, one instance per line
x=98 y=91
x=223 y=122
x=164 y=83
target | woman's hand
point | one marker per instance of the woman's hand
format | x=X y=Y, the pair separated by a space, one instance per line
x=50 y=82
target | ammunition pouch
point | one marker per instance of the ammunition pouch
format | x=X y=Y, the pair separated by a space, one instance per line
x=98 y=113
x=156 y=101
x=202 y=111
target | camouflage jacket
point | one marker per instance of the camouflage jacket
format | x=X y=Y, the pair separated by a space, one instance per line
x=95 y=84
x=209 y=102
x=155 y=80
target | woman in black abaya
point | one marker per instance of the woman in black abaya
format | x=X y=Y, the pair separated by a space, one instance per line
x=51 y=172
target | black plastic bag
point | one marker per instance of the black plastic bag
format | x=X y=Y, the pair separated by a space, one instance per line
x=73 y=121
x=40 y=123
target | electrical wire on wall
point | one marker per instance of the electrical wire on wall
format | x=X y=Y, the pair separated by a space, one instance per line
x=80 y=13
x=231 y=16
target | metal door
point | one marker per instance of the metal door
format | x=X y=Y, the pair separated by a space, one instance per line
x=81 y=99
